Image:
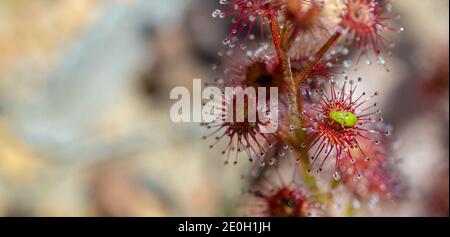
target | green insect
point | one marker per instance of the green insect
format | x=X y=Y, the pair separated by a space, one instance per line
x=347 y=119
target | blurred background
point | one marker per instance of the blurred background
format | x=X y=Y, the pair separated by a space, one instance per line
x=84 y=109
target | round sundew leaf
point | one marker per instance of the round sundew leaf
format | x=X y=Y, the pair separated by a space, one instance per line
x=347 y=119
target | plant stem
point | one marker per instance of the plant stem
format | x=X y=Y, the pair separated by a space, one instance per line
x=276 y=37
x=283 y=58
x=280 y=43
x=304 y=73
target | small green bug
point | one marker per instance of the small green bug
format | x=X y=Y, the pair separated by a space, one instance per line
x=347 y=119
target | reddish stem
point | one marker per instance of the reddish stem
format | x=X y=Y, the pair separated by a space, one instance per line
x=276 y=37
x=304 y=73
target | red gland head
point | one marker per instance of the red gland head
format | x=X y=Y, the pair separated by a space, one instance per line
x=379 y=176
x=274 y=192
x=258 y=75
x=246 y=14
x=304 y=14
x=308 y=20
x=241 y=136
x=365 y=21
x=287 y=202
x=337 y=124
x=252 y=68
x=310 y=23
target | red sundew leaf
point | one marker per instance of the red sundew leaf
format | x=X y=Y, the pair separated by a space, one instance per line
x=328 y=137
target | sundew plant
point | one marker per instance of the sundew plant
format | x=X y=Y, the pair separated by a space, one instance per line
x=332 y=140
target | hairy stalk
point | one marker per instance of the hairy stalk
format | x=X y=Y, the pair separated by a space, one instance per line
x=283 y=58
x=276 y=37
x=281 y=44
